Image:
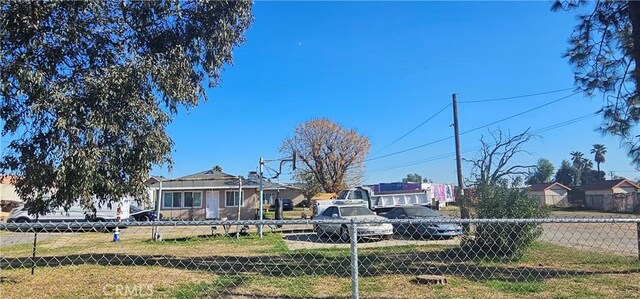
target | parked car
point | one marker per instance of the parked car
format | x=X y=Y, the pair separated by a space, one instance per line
x=287 y=205
x=348 y=212
x=422 y=229
x=139 y=214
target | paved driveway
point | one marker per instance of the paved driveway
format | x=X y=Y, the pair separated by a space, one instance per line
x=610 y=238
x=298 y=241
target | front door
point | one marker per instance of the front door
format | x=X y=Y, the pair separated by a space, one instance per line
x=213 y=202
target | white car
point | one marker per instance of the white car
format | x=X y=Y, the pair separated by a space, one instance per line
x=347 y=212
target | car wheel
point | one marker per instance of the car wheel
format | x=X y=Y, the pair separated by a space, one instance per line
x=344 y=234
x=145 y=218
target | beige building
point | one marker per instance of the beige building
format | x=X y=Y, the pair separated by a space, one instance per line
x=214 y=194
x=613 y=195
x=550 y=194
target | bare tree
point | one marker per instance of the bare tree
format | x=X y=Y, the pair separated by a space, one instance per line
x=334 y=155
x=492 y=162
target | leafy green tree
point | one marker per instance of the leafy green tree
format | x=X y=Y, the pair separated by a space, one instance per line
x=593 y=176
x=605 y=53
x=566 y=174
x=91 y=86
x=599 y=150
x=412 y=178
x=542 y=173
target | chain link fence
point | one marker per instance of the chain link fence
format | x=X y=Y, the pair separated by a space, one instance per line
x=357 y=258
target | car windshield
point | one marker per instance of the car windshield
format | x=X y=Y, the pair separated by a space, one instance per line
x=355 y=211
x=134 y=209
x=421 y=212
x=343 y=194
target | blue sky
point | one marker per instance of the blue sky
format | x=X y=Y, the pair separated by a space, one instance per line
x=383 y=68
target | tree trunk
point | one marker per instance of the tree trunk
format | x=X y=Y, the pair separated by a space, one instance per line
x=598 y=163
x=634 y=16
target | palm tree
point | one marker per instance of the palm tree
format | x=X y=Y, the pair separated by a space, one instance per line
x=578 y=163
x=599 y=150
x=217 y=168
x=587 y=165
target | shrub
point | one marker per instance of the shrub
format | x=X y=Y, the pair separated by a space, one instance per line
x=504 y=240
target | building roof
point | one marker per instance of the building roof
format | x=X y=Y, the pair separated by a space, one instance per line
x=608 y=184
x=211 y=179
x=547 y=186
x=208 y=175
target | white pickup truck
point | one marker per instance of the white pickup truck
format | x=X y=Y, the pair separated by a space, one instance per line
x=385 y=202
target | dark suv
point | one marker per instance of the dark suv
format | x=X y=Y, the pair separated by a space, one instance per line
x=287 y=205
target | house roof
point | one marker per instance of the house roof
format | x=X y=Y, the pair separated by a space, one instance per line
x=211 y=179
x=608 y=184
x=208 y=175
x=547 y=186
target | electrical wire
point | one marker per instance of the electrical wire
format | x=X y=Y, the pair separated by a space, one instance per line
x=515 y=97
x=443 y=156
x=521 y=113
x=415 y=128
x=474 y=129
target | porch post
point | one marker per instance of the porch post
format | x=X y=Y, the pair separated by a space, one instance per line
x=260 y=199
x=240 y=202
x=156 y=230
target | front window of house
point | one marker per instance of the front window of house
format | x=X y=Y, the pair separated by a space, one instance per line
x=176 y=200
x=192 y=199
x=232 y=198
x=267 y=198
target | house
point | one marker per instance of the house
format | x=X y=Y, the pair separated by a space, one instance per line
x=550 y=194
x=213 y=194
x=612 y=195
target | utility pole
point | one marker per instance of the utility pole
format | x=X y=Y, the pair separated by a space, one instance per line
x=464 y=212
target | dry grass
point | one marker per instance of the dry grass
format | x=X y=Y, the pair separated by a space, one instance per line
x=181 y=243
x=89 y=281
x=284 y=273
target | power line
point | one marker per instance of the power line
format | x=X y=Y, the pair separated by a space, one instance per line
x=475 y=129
x=521 y=113
x=415 y=128
x=516 y=97
x=409 y=149
x=443 y=156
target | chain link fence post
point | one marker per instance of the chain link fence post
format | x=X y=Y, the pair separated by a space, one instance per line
x=353 y=236
x=638 y=232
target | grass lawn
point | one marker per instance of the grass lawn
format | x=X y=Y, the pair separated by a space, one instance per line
x=214 y=266
x=296 y=213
